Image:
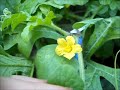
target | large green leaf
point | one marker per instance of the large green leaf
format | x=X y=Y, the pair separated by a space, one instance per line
x=105 y=30
x=93 y=73
x=71 y=2
x=10 y=65
x=57 y=70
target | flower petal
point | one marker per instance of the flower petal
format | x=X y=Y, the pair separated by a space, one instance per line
x=70 y=40
x=76 y=48
x=69 y=55
x=59 y=50
x=61 y=41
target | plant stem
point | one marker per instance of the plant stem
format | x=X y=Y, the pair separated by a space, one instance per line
x=86 y=14
x=81 y=67
x=71 y=15
x=116 y=83
x=32 y=71
x=81 y=64
x=59 y=30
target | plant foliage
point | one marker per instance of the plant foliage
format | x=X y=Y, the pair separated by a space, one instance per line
x=29 y=30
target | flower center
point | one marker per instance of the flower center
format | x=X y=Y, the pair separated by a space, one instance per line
x=68 y=49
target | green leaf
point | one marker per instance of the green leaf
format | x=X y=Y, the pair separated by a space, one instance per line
x=53 y=4
x=113 y=5
x=114 y=31
x=13 y=65
x=93 y=73
x=45 y=9
x=2 y=52
x=14 y=20
x=30 y=6
x=40 y=32
x=101 y=33
x=12 y=5
x=83 y=25
x=71 y=2
x=37 y=21
x=17 y=19
x=78 y=25
x=36 y=34
x=6 y=23
x=105 y=2
x=48 y=18
x=25 y=47
x=57 y=70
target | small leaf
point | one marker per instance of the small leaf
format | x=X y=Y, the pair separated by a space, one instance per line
x=11 y=65
x=45 y=9
x=48 y=18
x=57 y=70
x=17 y=19
x=6 y=23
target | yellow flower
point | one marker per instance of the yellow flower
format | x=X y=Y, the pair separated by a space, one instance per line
x=67 y=48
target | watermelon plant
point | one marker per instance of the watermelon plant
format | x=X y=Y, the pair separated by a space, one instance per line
x=71 y=43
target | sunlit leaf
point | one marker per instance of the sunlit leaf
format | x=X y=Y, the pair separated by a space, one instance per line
x=14 y=20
